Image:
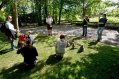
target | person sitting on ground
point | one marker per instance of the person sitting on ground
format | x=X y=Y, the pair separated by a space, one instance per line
x=29 y=53
x=60 y=46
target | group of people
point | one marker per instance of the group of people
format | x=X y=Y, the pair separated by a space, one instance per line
x=25 y=42
x=101 y=25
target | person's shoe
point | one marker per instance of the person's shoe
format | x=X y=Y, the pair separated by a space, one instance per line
x=85 y=35
x=14 y=48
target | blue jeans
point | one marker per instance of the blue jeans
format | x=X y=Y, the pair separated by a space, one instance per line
x=85 y=30
x=12 y=43
x=99 y=32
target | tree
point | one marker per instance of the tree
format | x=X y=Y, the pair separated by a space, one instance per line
x=88 y=5
x=38 y=5
x=3 y=3
x=15 y=15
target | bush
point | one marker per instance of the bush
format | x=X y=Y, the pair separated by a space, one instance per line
x=3 y=39
x=2 y=16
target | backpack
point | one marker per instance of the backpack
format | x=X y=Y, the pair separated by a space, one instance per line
x=3 y=28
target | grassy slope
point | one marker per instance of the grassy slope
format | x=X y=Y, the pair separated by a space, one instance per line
x=98 y=61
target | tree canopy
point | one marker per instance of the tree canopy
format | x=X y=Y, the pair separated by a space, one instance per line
x=59 y=9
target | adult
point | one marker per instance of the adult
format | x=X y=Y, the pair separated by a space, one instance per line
x=10 y=32
x=49 y=21
x=101 y=23
x=85 y=25
x=60 y=46
x=29 y=53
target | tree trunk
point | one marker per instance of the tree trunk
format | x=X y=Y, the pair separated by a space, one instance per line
x=45 y=12
x=15 y=16
x=60 y=11
x=38 y=7
x=46 y=9
x=53 y=16
x=39 y=15
x=83 y=14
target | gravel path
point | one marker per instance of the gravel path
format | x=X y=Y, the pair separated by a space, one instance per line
x=109 y=36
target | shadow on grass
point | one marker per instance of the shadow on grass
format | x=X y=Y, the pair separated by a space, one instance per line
x=52 y=60
x=15 y=72
x=20 y=71
x=102 y=65
x=93 y=43
x=64 y=70
x=5 y=51
x=3 y=37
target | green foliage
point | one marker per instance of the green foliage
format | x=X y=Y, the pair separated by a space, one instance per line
x=110 y=19
x=113 y=19
x=3 y=40
x=2 y=16
x=60 y=9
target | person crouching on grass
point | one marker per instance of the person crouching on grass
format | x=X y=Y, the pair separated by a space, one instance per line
x=60 y=46
x=29 y=53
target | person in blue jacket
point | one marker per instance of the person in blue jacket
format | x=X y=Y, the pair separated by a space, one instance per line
x=101 y=23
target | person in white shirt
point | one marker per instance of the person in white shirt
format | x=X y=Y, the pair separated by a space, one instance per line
x=60 y=46
x=49 y=21
x=10 y=31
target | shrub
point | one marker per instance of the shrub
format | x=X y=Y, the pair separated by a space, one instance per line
x=2 y=16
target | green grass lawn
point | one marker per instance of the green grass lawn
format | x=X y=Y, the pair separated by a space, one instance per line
x=98 y=61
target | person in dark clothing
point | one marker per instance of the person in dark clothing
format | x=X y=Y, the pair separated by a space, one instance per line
x=85 y=25
x=101 y=24
x=29 y=53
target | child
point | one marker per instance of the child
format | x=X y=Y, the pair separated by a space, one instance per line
x=21 y=39
x=60 y=46
x=30 y=37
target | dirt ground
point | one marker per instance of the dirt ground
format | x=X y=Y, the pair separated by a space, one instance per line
x=109 y=36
